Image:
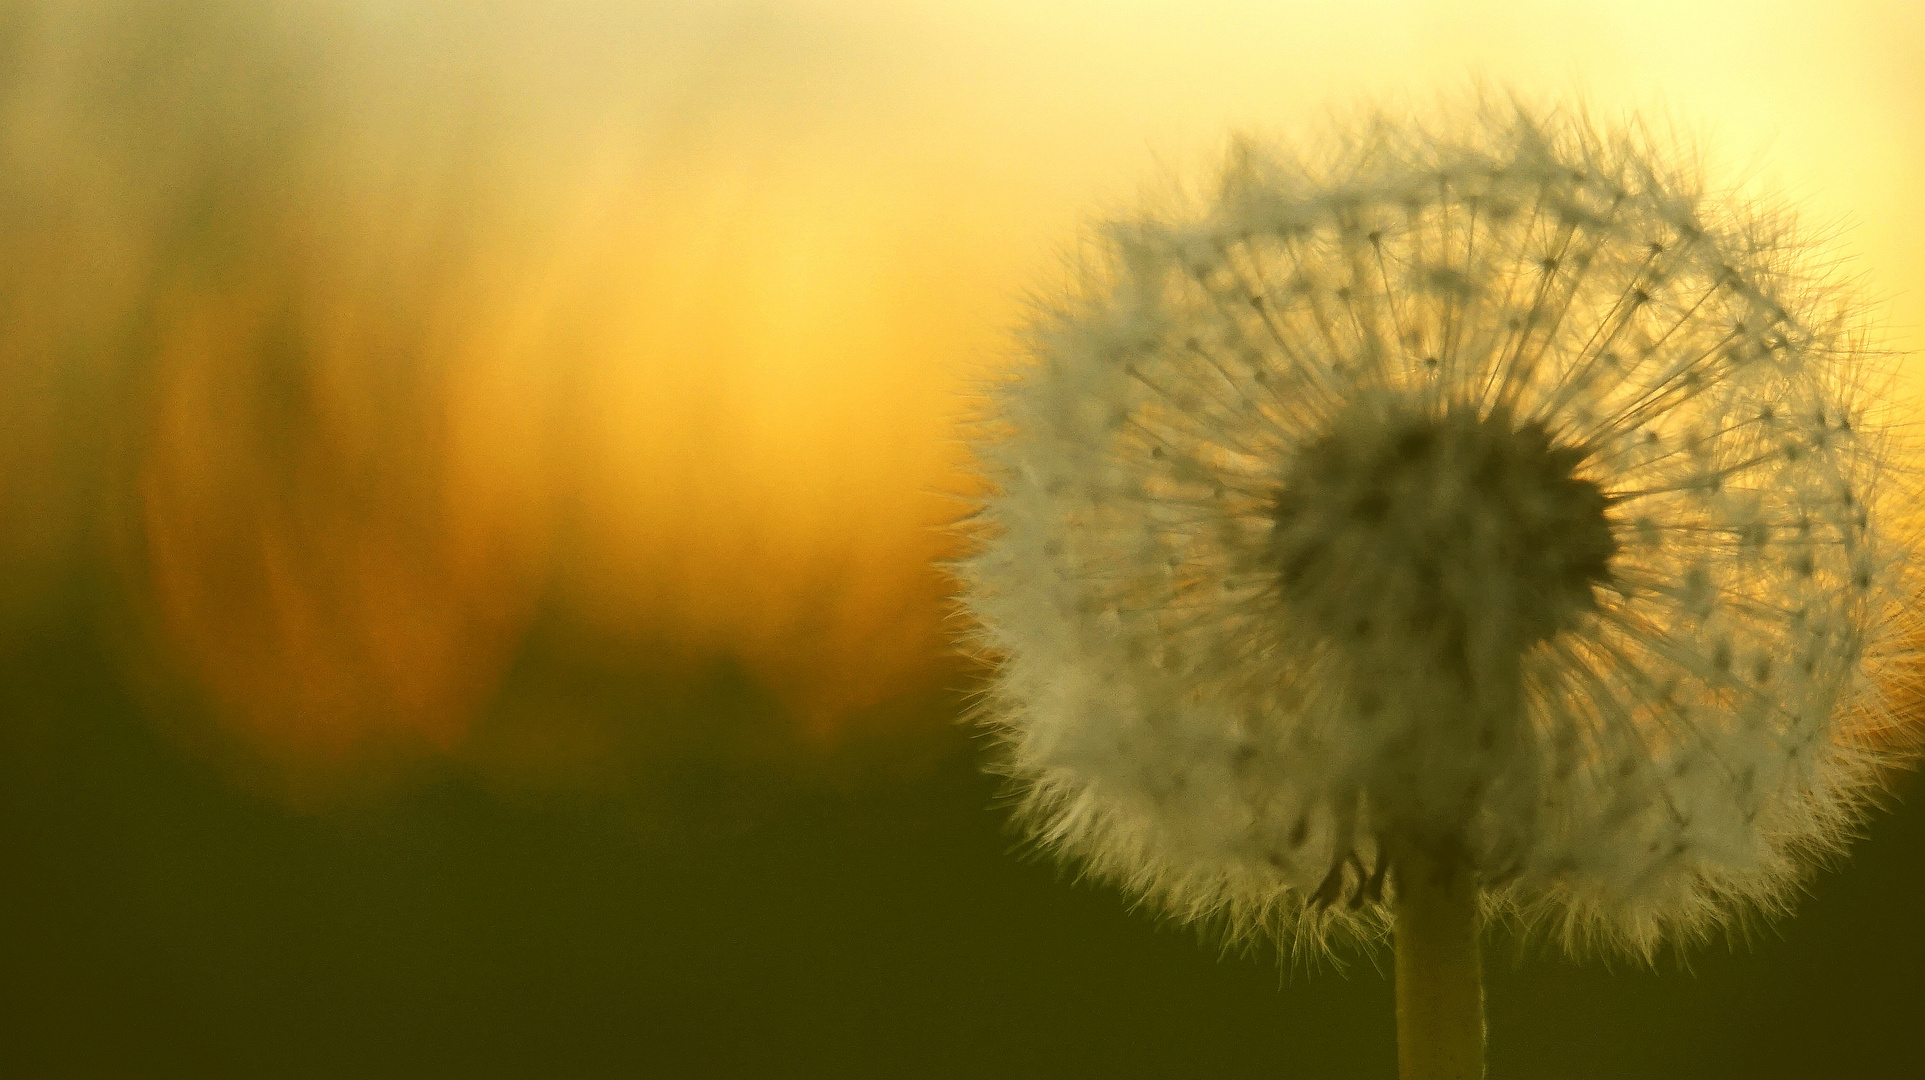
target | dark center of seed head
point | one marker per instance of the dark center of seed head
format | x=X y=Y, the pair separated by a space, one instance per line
x=1423 y=533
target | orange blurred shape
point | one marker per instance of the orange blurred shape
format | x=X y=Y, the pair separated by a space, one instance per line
x=689 y=366
x=340 y=542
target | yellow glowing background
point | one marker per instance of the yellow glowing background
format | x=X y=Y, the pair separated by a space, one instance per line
x=359 y=336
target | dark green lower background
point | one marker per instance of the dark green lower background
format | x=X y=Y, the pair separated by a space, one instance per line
x=707 y=917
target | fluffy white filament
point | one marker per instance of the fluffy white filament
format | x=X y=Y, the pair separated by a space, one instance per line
x=1482 y=489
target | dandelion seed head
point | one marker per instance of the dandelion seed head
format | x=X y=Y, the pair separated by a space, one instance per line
x=1482 y=492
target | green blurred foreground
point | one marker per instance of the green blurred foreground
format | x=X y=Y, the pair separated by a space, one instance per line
x=857 y=917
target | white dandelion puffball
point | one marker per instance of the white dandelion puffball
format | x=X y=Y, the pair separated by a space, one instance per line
x=1482 y=494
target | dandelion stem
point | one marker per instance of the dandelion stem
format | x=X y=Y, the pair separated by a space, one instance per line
x=1440 y=976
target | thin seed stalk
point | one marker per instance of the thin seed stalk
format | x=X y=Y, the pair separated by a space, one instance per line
x=1440 y=975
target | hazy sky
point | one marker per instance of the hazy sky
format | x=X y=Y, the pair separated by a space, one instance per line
x=669 y=306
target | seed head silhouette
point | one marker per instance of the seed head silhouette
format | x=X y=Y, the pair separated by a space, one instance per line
x=1479 y=496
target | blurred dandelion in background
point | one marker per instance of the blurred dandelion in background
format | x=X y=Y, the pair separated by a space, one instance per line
x=1453 y=515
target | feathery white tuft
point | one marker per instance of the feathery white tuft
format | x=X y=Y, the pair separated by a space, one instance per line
x=1482 y=493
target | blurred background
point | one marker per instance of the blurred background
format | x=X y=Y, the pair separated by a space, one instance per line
x=469 y=481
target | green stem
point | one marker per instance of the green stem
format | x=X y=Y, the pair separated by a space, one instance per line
x=1440 y=976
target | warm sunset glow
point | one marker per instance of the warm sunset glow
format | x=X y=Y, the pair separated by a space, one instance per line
x=338 y=558
x=664 y=312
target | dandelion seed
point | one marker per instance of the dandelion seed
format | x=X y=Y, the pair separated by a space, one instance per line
x=1460 y=491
